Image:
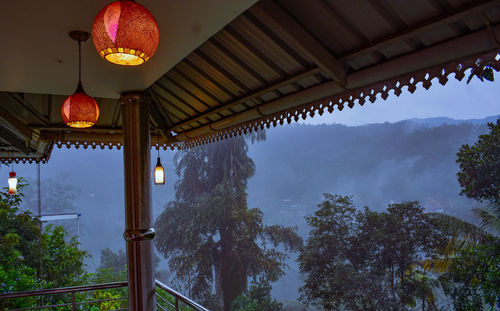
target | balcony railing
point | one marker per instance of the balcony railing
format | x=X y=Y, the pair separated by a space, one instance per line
x=81 y=298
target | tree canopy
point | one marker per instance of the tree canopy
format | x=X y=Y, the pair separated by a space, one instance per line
x=479 y=174
x=363 y=260
x=24 y=250
x=210 y=236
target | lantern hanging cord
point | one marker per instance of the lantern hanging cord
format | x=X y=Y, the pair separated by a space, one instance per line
x=79 y=61
x=158 y=142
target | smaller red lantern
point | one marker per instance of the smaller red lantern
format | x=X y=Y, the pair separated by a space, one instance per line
x=79 y=110
x=12 y=183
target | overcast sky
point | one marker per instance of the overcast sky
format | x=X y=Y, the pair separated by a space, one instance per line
x=455 y=100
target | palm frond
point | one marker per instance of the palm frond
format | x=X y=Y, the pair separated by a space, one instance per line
x=460 y=228
x=490 y=218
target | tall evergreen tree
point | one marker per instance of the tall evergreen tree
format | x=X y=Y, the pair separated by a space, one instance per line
x=209 y=235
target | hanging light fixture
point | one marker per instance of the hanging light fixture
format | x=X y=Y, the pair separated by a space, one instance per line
x=12 y=180
x=125 y=33
x=80 y=110
x=159 y=171
x=12 y=183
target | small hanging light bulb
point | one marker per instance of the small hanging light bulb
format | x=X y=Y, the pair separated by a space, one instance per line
x=12 y=183
x=159 y=171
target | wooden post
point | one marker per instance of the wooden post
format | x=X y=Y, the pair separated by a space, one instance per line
x=138 y=211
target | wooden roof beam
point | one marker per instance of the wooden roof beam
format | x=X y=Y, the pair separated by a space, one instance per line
x=26 y=105
x=256 y=93
x=13 y=140
x=160 y=116
x=438 y=55
x=15 y=123
x=277 y=18
x=411 y=32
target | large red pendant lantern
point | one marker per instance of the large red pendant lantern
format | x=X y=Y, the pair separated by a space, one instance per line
x=125 y=33
x=79 y=110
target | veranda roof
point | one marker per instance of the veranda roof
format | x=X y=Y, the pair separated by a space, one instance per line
x=275 y=63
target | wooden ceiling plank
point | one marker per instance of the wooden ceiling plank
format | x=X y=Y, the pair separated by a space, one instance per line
x=261 y=56
x=445 y=19
x=395 y=21
x=295 y=55
x=265 y=89
x=192 y=110
x=13 y=140
x=187 y=92
x=157 y=103
x=159 y=116
x=174 y=109
x=198 y=86
x=274 y=15
x=222 y=71
x=211 y=79
x=15 y=122
x=26 y=105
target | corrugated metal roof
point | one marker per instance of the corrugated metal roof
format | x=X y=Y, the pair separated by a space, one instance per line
x=287 y=59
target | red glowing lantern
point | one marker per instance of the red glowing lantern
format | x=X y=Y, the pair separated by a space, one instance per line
x=125 y=33
x=79 y=110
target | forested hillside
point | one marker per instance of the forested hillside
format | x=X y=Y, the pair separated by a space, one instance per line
x=377 y=164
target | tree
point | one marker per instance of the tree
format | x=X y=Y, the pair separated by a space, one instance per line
x=23 y=247
x=479 y=174
x=258 y=298
x=209 y=235
x=348 y=250
x=473 y=278
x=115 y=262
x=58 y=195
x=62 y=261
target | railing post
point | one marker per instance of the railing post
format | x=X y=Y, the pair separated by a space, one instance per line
x=138 y=211
x=176 y=304
x=73 y=301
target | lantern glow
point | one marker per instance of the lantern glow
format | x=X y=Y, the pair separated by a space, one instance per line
x=159 y=173
x=79 y=110
x=125 y=33
x=12 y=183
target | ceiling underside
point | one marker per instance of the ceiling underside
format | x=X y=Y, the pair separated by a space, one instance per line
x=284 y=60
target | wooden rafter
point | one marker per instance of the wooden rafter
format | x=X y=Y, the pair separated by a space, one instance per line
x=27 y=106
x=13 y=140
x=445 y=19
x=15 y=122
x=261 y=91
x=274 y=15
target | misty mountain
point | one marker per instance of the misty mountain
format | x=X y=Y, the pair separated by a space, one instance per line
x=376 y=163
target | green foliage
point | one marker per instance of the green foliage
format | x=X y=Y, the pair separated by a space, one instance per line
x=62 y=261
x=112 y=302
x=258 y=298
x=473 y=278
x=348 y=250
x=113 y=263
x=479 y=174
x=209 y=228
x=22 y=247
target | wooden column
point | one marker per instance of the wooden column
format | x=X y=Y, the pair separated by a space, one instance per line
x=138 y=210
